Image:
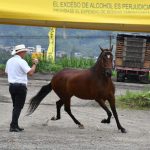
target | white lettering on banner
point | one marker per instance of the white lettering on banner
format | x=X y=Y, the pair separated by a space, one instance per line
x=100 y=8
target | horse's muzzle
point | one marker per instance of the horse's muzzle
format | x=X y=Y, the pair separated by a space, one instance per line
x=108 y=72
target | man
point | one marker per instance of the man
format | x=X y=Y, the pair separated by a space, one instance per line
x=17 y=70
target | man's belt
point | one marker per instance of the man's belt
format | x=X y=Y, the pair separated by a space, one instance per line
x=17 y=84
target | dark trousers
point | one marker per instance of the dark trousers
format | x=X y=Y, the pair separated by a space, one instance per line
x=18 y=94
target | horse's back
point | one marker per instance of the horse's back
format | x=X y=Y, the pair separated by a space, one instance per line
x=61 y=81
x=67 y=74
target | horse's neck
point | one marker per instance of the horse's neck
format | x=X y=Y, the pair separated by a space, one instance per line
x=100 y=72
x=97 y=69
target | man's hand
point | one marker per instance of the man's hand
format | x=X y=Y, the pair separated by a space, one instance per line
x=35 y=61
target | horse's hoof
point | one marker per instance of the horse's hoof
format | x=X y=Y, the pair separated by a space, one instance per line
x=81 y=126
x=123 y=130
x=105 y=121
x=53 y=118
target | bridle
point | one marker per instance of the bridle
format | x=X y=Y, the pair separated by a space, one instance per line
x=104 y=58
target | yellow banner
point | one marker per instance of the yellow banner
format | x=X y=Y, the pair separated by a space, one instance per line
x=51 y=48
x=123 y=15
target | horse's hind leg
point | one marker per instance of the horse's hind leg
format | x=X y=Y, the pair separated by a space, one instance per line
x=103 y=105
x=58 y=107
x=68 y=110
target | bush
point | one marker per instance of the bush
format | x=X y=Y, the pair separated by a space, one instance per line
x=136 y=100
x=75 y=62
x=47 y=66
x=2 y=67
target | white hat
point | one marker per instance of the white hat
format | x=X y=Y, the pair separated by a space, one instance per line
x=19 y=48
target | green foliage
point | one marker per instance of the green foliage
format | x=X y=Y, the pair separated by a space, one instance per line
x=114 y=73
x=75 y=62
x=47 y=66
x=135 y=100
x=44 y=65
x=28 y=59
x=55 y=67
x=2 y=67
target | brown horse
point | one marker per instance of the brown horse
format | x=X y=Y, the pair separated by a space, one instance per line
x=92 y=84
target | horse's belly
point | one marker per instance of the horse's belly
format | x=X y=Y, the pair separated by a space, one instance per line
x=85 y=97
x=92 y=94
x=83 y=94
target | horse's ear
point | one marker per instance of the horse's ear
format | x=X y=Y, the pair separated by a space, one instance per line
x=101 y=48
x=111 y=48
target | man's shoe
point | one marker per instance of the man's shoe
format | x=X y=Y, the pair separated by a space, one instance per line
x=14 y=129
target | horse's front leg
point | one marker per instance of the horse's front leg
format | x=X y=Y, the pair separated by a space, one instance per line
x=58 y=107
x=113 y=108
x=103 y=105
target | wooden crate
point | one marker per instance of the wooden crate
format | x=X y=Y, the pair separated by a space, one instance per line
x=119 y=51
x=118 y=62
x=147 y=64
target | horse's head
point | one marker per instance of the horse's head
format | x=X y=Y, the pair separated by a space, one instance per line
x=106 y=61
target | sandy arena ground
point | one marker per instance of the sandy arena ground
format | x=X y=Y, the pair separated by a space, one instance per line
x=64 y=134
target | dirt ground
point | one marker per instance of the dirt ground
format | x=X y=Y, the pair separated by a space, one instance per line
x=64 y=134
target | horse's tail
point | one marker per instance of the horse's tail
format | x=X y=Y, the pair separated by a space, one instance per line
x=36 y=100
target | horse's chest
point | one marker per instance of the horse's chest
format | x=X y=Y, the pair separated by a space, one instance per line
x=103 y=90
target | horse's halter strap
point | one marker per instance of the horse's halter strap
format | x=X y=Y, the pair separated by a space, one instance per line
x=108 y=56
x=101 y=59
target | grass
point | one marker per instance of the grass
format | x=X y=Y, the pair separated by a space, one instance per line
x=138 y=100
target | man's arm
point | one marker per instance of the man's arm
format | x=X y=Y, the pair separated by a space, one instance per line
x=32 y=70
